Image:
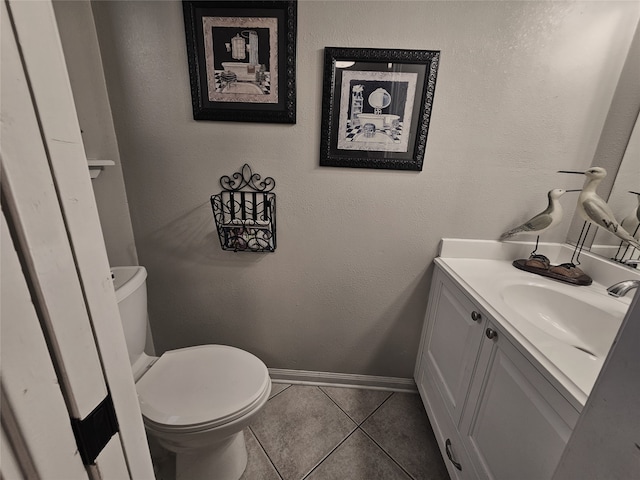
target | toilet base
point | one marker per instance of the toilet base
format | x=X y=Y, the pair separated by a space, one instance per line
x=227 y=461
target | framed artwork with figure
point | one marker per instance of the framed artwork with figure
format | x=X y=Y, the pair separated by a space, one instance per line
x=242 y=59
x=376 y=107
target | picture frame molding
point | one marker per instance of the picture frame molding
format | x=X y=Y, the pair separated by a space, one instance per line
x=424 y=100
x=284 y=111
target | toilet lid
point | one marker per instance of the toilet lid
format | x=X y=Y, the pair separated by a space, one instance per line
x=206 y=386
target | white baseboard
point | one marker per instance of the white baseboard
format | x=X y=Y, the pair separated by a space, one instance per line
x=304 y=377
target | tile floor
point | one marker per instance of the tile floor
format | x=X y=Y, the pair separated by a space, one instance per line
x=333 y=433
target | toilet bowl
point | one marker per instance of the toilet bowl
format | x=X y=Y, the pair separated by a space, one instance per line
x=195 y=401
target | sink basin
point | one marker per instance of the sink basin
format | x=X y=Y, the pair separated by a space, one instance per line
x=589 y=326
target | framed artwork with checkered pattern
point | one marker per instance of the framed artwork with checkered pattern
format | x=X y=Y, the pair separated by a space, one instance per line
x=376 y=107
x=242 y=60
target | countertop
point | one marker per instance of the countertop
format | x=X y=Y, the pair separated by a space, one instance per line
x=483 y=268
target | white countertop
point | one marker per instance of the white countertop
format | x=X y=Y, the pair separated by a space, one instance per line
x=483 y=268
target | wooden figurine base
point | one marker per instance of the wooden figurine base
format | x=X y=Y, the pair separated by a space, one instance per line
x=565 y=272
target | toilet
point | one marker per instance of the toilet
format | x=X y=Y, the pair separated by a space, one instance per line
x=195 y=401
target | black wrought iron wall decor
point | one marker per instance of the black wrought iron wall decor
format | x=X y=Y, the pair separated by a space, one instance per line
x=245 y=212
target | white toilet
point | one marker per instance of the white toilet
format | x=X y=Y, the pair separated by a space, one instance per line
x=195 y=401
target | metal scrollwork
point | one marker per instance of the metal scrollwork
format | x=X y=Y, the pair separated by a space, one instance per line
x=246 y=178
x=244 y=212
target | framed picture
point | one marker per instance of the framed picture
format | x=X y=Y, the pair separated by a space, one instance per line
x=376 y=107
x=242 y=60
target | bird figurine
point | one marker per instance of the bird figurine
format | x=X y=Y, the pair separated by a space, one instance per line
x=632 y=221
x=593 y=209
x=545 y=220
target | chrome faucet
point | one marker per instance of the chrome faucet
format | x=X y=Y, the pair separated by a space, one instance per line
x=621 y=288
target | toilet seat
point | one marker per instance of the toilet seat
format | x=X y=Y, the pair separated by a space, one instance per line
x=200 y=388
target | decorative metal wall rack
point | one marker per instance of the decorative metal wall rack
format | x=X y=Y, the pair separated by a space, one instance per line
x=245 y=212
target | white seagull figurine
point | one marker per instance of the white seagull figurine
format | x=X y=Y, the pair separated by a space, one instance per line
x=593 y=209
x=548 y=218
x=632 y=221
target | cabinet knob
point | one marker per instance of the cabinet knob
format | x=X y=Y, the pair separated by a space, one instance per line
x=491 y=333
x=476 y=316
x=447 y=448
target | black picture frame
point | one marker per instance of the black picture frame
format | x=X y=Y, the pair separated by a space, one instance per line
x=376 y=107
x=242 y=60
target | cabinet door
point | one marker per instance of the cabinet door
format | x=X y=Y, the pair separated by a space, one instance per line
x=446 y=432
x=451 y=344
x=520 y=424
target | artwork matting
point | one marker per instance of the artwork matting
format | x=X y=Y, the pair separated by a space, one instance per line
x=376 y=107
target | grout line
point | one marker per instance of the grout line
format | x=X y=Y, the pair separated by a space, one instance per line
x=380 y=446
x=265 y=452
x=387 y=453
x=330 y=452
x=341 y=409
x=353 y=419
x=377 y=408
x=276 y=394
x=357 y=426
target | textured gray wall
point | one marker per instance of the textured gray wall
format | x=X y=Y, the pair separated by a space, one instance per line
x=523 y=90
x=82 y=54
x=612 y=146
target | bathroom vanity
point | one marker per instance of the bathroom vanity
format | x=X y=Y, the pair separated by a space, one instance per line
x=507 y=359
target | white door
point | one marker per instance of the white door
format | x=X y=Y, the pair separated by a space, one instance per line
x=50 y=211
x=36 y=430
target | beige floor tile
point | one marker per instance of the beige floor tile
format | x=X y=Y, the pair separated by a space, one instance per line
x=358 y=403
x=298 y=428
x=258 y=465
x=276 y=388
x=402 y=429
x=358 y=458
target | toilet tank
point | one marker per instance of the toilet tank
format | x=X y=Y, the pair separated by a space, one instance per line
x=130 y=284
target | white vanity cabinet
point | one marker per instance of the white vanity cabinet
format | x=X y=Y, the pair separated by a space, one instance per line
x=495 y=415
